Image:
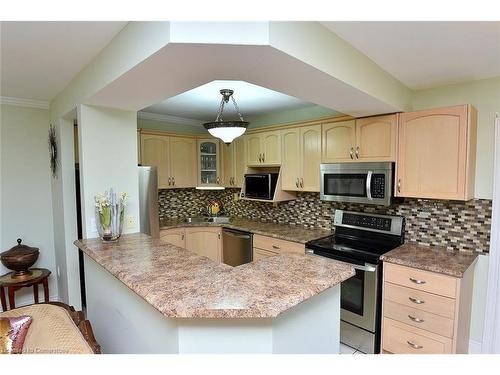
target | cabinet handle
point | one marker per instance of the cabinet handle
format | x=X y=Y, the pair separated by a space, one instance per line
x=413 y=345
x=170 y=181
x=217 y=179
x=173 y=181
x=183 y=237
x=351 y=153
x=218 y=236
x=418 y=320
x=297 y=182
x=357 y=152
x=417 y=281
x=263 y=157
x=399 y=185
x=301 y=182
x=417 y=301
x=276 y=247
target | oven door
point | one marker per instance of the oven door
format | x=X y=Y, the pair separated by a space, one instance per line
x=358 y=298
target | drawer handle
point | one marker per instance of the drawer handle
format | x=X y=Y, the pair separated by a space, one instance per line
x=417 y=301
x=417 y=320
x=276 y=247
x=417 y=281
x=413 y=345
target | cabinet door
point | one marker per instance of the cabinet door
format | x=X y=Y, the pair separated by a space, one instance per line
x=253 y=149
x=175 y=236
x=338 y=141
x=432 y=155
x=183 y=162
x=376 y=138
x=259 y=254
x=310 y=152
x=271 y=148
x=209 y=162
x=205 y=241
x=240 y=164
x=227 y=152
x=155 y=152
x=291 y=166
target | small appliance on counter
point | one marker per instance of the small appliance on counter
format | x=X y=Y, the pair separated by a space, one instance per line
x=360 y=239
x=366 y=183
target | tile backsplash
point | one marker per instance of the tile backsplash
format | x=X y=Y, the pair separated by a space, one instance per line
x=455 y=225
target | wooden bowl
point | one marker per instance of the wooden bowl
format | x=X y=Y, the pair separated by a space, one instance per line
x=20 y=258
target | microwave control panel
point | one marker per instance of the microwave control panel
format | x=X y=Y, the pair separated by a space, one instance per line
x=378 y=185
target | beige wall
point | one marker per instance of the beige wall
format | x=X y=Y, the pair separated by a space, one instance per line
x=485 y=96
x=26 y=198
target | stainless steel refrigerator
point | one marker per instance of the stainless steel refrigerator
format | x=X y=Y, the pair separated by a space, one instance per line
x=148 y=201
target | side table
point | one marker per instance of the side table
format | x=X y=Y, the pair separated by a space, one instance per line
x=38 y=276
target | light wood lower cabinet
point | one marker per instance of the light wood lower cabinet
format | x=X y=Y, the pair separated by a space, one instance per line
x=174 y=236
x=425 y=312
x=205 y=241
x=264 y=246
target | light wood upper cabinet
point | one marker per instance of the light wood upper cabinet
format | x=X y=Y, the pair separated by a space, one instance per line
x=233 y=163
x=174 y=236
x=338 y=141
x=205 y=241
x=183 y=162
x=376 y=138
x=155 y=152
x=301 y=158
x=437 y=153
x=291 y=167
x=263 y=148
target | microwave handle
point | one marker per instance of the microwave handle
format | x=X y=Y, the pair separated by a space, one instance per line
x=369 y=185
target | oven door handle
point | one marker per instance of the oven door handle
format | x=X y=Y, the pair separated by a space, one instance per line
x=367 y=267
x=369 y=185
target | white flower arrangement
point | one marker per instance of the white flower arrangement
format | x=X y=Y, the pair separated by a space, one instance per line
x=110 y=211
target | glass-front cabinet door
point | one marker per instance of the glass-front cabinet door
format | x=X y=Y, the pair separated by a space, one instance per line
x=209 y=162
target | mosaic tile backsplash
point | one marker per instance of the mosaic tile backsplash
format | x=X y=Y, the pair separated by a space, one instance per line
x=455 y=225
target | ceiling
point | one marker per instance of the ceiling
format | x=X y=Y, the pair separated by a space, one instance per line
x=202 y=102
x=39 y=59
x=427 y=54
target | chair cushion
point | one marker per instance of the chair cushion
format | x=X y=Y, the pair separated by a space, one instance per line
x=52 y=331
x=13 y=332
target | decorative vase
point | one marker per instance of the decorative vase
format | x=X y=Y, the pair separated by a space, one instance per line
x=110 y=212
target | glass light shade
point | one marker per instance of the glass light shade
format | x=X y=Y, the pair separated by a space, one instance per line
x=227 y=134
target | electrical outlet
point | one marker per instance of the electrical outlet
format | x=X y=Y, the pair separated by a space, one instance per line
x=236 y=197
x=130 y=222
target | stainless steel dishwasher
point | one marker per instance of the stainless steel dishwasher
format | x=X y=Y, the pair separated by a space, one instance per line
x=237 y=247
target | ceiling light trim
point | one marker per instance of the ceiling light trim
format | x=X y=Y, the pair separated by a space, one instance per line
x=168 y=118
x=20 y=102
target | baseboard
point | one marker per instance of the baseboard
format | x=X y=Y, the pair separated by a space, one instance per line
x=475 y=347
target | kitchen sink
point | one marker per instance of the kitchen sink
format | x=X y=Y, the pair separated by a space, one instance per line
x=206 y=219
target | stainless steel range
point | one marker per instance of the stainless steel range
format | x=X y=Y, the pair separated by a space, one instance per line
x=360 y=239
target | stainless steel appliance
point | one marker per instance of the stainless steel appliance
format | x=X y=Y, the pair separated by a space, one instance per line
x=260 y=185
x=148 y=201
x=368 y=183
x=360 y=239
x=236 y=247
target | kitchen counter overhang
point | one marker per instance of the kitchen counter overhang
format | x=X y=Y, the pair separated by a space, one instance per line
x=181 y=284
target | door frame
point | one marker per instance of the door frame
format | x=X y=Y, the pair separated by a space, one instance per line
x=491 y=333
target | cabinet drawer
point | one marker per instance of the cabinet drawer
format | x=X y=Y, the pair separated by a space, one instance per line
x=420 y=280
x=416 y=299
x=260 y=253
x=400 y=338
x=276 y=245
x=419 y=318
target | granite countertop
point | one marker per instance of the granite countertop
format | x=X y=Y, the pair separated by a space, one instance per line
x=182 y=284
x=282 y=231
x=435 y=259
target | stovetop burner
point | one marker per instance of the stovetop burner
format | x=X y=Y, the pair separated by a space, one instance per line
x=360 y=238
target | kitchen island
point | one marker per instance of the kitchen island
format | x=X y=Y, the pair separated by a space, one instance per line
x=147 y=296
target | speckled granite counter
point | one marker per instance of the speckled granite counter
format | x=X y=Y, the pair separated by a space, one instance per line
x=435 y=259
x=282 y=231
x=181 y=284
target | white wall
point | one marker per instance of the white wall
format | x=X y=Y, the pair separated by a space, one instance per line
x=25 y=179
x=108 y=159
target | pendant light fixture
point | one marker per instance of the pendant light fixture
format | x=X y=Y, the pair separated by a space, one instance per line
x=227 y=130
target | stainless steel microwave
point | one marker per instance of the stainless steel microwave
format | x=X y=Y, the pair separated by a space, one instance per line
x=260 y=185
x=366 y=183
